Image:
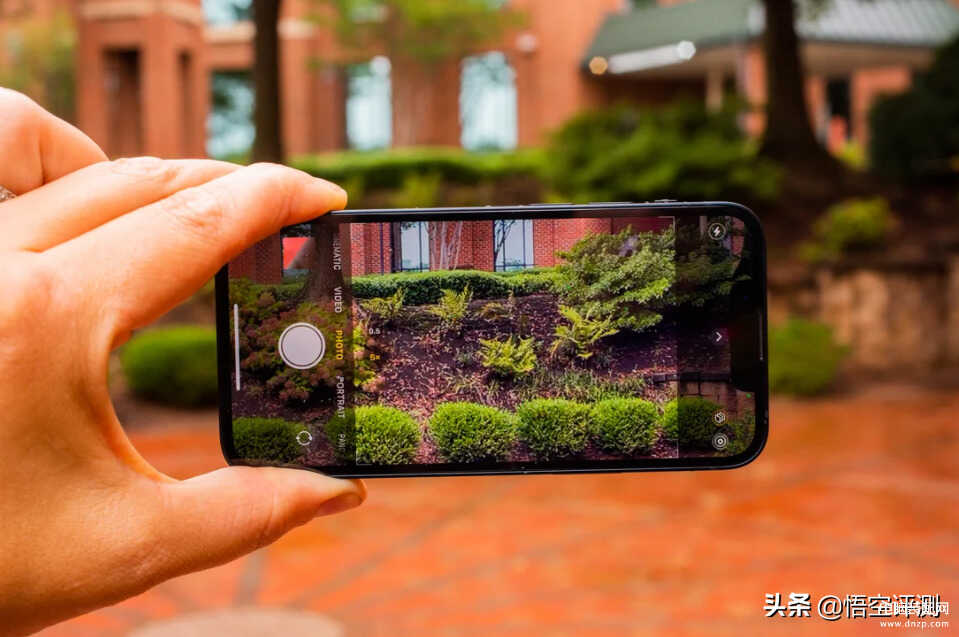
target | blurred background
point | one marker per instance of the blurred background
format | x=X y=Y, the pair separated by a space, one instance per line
x=837 y=121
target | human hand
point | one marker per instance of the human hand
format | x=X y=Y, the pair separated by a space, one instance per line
x=89 y=251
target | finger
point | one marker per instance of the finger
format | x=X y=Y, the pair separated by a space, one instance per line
x=219 y=516
x=93 y=195
x=143 y=263
x=45 y=146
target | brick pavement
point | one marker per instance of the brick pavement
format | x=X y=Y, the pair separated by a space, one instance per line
x=852 y=495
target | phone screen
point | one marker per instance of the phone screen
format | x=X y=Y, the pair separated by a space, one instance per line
x=558 y=339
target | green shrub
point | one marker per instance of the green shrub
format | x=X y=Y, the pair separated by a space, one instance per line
x=533 y=281
x=424 y=288
x=915 y=135
x=388 y=169
x=511 y=357
x=267 y=439
x=173 y=365
x=621 y=277
x=418 y=191
x=553 y=427
x=690 y=420
x=634 y=153
x=624 y=425
x=741 y=433
x=851 y=225
x=452 y=308
x=385 y=309
x=467 y=432
x=583 y=332
x=804 y=358
x=374 y=435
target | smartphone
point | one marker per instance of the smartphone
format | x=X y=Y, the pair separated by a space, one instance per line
x=507 y=339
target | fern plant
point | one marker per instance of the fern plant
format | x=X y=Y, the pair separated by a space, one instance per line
x=385 y=309
x=583 y=332
x=452 y=308
x=511 y=357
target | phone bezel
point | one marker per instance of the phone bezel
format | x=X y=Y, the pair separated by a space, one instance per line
x=225 y=358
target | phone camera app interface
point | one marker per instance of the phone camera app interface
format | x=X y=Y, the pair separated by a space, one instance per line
x=507 y=343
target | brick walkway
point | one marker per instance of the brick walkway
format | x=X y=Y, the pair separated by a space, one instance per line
x=851 y=496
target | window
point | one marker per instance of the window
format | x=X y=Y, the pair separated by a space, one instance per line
x=369 y=109
x=512 y=244
x=411 y=246
x=488 y=103
x=230 y=121
x=225 y=12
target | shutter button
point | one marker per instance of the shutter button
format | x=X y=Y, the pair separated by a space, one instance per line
x=301 y=346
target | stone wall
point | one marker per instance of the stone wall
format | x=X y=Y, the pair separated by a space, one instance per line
x=897 y=317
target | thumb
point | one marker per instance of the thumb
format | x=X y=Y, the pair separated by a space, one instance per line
x=216 y=517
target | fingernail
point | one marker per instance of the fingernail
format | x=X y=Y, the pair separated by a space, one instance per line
x=339 y=504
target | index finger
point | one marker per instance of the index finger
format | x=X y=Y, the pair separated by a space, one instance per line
x=136 y=267
x=42 y=146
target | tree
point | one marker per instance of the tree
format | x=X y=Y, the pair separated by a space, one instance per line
x=40 y=61
x=789 y=135
x=267 y=121
x=417 y=36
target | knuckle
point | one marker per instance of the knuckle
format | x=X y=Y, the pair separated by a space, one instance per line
x=21 y=114
x=200 y=209
x=143 y=167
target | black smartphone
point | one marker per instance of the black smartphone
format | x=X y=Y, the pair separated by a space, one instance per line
x=508 y=339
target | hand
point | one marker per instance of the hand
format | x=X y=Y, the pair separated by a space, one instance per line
x=89 y=251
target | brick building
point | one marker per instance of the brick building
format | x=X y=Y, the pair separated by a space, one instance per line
x=146 y=66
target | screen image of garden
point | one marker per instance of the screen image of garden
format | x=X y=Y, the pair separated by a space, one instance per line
x=546 y=342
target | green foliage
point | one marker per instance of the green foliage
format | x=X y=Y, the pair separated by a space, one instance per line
x=383 y=435
x=467 y=432
x=583 y=332
x=271 y=440
x=424 y=288
x=531 y=281
x=624 y=425
x=173 y=365
x=705 y=270
x=452 y=308
x=804 y=358
x=632 y=153
x=849 y=226
x=853 y=155
x=39 y=59
x=554 y=428
x=619 y=277
x=689 y=419
x=427 y=31
x=741 y=433
x=507 y=358
x=418 y=191
x=390 y=169
x=385 y=309
x=915 y=135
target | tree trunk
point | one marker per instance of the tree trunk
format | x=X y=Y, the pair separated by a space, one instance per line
x=268 y=140
x=789 y=135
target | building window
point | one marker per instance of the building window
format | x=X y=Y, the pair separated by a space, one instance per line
x=225 y=12
x=411 y=246
x=512 y=244
x=230 y=121
x=369 y=108
x=488 y=103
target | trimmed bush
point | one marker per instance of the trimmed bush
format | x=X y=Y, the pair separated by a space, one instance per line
x=467 y=432
x=267 y=439
x=374 y=435
x=173 y=365
x=804 y=358
x=424 y=288
x=553 y=427
x=690 y=420
x=389 y=169
x=851 y=225
x=624 y=425
x=532 y=281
